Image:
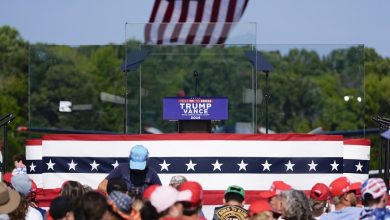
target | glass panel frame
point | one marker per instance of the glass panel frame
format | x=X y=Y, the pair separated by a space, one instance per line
x=313 y=87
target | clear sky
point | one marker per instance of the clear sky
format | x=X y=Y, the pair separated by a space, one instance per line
x=278 y=21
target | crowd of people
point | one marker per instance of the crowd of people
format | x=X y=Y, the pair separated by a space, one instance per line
x=133 y=191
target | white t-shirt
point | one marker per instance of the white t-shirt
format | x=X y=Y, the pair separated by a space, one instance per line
x=33 y=214
x=4 y=217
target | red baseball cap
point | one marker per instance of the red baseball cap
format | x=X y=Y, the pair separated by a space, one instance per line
x=259 y=206
x=196 y=192
x=356 y=186
x=319 y=192
x=149 y=190
x=276 y=188
x=339 y=186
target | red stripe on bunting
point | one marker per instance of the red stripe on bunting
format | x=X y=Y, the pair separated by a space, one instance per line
x=32 y=142
x=200 y=136
x=210 y=197
x=358 y=141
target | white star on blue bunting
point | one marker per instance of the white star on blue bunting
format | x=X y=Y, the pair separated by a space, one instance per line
x=32 y=167
x=50 y=165
x=191 y=166
x=242 y=165
x=289 y=166
x=72 y=165
x=266 y=165
x=217 y=165
x=334 y=166
x=164 y=166
x=312 y=166
x=115 y=164
x=359 y=167
x=94 y=165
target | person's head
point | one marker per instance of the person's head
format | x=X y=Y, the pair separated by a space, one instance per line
x=319 y=192
x=374 y=193
x=318 y=200
x=22 y=184
x=9 y=199
x=148 y=191
x=116 y=184
x=19 y=160
x=72 y=189
x=21 y=211
x=87 y=188
x=93 y=206
x=272 y=195
x=234 y=195
x=194 y=204
x=61 y=208
x=260 y=209
x=177 y=180
x=341 y=193
x=267 y=215
x=138 y=157
x=148 y=211
x=295 y=205
x=356 y=187
x=166 y=200
x=121 y=204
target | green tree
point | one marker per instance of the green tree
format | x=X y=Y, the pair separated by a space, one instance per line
x=13 y=85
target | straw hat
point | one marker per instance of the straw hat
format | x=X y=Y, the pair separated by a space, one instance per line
x=9 y=199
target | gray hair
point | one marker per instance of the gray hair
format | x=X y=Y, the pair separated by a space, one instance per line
x=296 y=205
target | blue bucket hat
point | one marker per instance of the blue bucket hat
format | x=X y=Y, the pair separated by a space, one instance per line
x=138 y=157
x=22 y=184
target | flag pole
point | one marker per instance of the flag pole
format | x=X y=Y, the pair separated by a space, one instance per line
x=126 y=86
x=266 y=96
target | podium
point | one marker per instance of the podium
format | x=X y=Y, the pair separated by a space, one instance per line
x=194 y=114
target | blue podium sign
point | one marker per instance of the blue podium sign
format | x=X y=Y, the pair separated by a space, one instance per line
x=195 y=108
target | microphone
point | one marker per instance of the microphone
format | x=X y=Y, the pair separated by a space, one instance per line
x=196 y=75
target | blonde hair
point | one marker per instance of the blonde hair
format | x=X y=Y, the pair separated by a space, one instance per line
x=137 y=204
